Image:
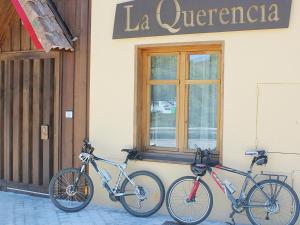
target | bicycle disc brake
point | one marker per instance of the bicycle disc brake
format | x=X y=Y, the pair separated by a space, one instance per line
x=140 y=193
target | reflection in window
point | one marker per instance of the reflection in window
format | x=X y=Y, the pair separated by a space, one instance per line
x=203 y=67
x=163 y=116
x=163 y=67
x=202 y=125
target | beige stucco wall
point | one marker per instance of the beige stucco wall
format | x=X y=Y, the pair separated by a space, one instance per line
x=261 y=97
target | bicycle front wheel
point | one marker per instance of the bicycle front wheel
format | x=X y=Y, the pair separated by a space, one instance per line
x=68 y=196
x=145 y=197
x=281 y=207
x=187 y=211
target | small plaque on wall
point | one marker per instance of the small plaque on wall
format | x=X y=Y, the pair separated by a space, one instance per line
x=45 y=132
x=69 y=114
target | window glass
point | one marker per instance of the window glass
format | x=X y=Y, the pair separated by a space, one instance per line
x=203 y=67
x=164 y=67
x=163 y=116
x=202 y=116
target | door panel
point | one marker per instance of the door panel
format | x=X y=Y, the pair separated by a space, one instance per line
x=29 y=98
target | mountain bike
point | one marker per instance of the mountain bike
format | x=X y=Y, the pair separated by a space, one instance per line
x=140 y=193
x=270 y=201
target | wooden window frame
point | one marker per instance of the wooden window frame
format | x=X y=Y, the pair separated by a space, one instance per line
x=179 y=154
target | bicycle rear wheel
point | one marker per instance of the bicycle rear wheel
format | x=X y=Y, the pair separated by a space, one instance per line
x=281 y=209
x=146 y=197
x=187 y=211
x=68 y=197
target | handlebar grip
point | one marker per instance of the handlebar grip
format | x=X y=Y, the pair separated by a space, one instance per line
x=92 y=149
x=86 y=141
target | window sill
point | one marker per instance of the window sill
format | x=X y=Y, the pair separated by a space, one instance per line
x=175 y=158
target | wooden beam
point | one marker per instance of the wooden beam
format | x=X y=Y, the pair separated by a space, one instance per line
x=5 y=20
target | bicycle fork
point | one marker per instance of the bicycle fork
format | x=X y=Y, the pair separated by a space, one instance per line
x=76 y=181
x=195 y=188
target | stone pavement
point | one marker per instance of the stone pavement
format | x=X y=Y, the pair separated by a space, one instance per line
x=17 y=209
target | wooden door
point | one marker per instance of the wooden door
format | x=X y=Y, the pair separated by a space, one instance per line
x=29 y=99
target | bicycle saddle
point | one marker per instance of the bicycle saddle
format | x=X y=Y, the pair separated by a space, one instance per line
x=128 y=150
x=255 y=153
x=132 y=154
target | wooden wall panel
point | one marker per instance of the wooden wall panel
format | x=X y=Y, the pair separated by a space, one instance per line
x=29 y=99
x=6 y=47
x=75 y=65
x=17 y=38
x=47 y=114
x=16 y=120
x=81 y=80
x=26 y=122
x=16 y=34
x=2 y=80
x=37 y=90
x=57 y=117
x=69 y=14
x=71 y=83
x=25 y=40
x=7 y=126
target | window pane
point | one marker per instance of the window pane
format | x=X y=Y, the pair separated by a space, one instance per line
x=202 y=124
x=203 y=67
x=163 y=116
x=163 y=67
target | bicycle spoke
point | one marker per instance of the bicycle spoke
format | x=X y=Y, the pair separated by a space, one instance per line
x=188 y=211
x=145 y=197
x=277 y=210
x=65 y=195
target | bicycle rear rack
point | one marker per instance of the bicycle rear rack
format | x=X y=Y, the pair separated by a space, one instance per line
x=271 y=176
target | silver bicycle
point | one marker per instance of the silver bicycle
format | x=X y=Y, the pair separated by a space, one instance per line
x=140 y=193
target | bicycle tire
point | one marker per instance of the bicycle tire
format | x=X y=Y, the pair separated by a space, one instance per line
x=282 y=184
x=54 y=200
x=168 y=199
x=161 y=194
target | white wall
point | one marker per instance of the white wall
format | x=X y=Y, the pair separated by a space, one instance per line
x=252 y=60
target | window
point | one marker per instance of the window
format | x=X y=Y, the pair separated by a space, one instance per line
x=179 y=98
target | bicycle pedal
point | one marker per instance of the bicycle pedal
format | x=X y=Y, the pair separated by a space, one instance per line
x=232 y=219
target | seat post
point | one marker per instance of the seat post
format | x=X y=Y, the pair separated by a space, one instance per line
x=252 y=164
x=126 y=160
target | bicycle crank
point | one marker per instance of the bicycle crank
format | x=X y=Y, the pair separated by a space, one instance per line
x=114 y=198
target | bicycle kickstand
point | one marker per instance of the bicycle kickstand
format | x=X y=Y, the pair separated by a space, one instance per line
x=232 y=219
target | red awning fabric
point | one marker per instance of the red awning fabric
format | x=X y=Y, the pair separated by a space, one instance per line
x=41 y=24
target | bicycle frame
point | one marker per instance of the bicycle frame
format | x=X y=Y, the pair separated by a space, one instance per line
x=242 y=195
x=121 y=167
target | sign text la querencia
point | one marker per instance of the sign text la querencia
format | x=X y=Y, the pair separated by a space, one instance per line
x=143 y=18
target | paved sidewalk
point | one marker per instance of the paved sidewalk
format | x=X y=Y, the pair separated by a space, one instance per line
x=17 y=209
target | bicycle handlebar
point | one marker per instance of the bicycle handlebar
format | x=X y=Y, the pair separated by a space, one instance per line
x=87 y=146
x=202 y=153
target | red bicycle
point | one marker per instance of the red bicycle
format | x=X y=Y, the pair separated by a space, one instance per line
x=268 y=202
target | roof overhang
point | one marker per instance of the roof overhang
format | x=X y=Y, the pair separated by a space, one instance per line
x=40 y=20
